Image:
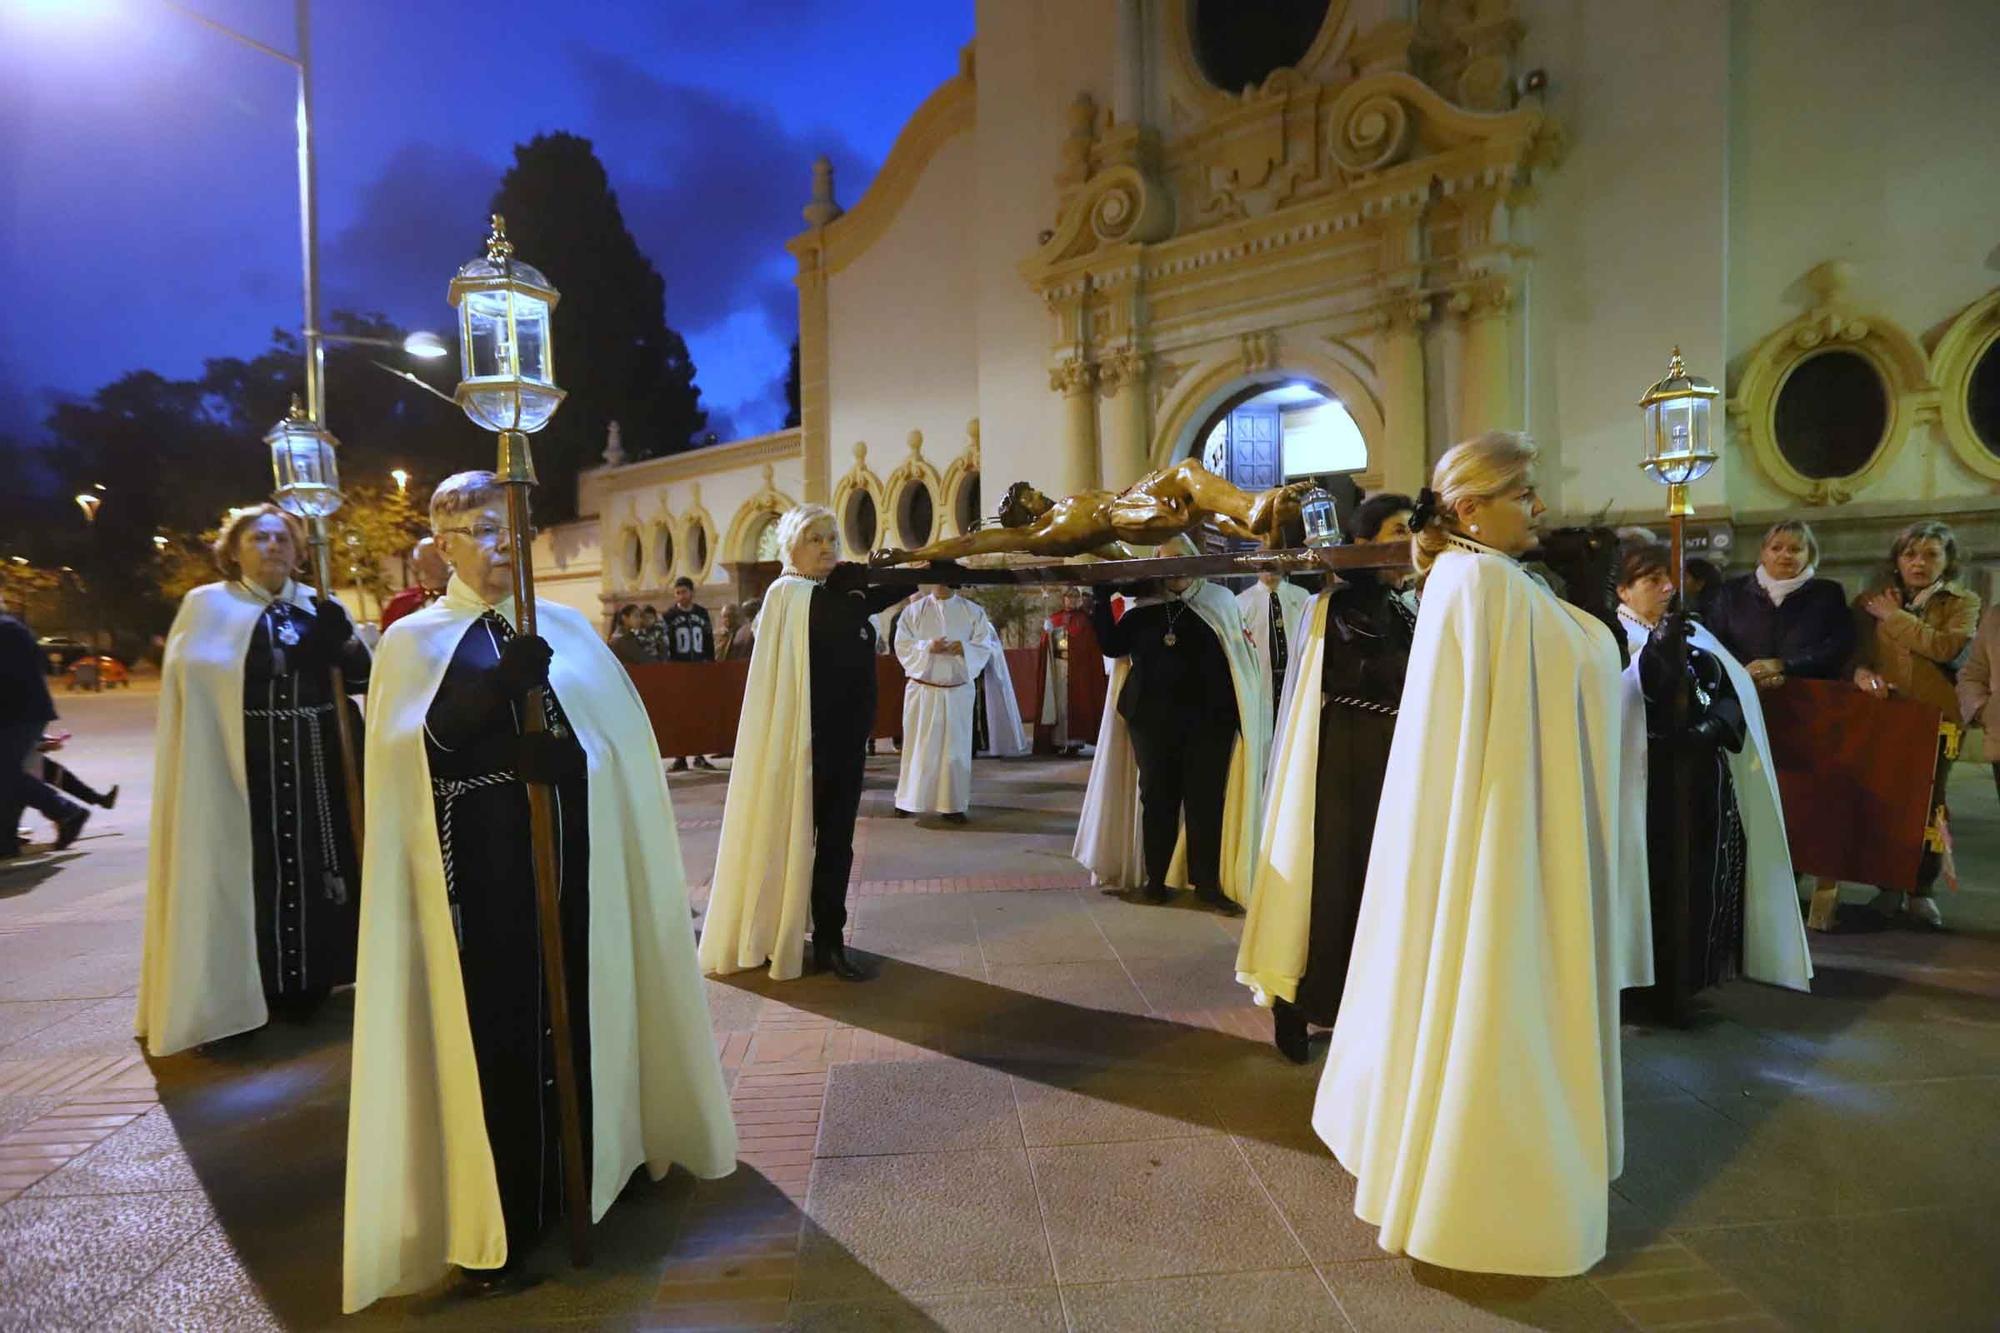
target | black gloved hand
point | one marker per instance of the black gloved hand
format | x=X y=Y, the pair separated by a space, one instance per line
x=329 y=632
x=524 y=664
x=548 y=759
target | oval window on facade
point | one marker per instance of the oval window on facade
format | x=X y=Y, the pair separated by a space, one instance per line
x=663 y=551
x=965 y=505
x=1982 y=397
x=857 y=524
x=635 y=555
x=1239 y=45
x=698 y=549
x=1831 y=415
x=915 y=514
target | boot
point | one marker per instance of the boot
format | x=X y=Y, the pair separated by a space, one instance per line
x=1288 y=1031
x=1924 y=912
x=833 y=958
x=1217 y=900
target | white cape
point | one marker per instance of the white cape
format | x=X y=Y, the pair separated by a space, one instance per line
x=1254 y=604
x=1472 y=1085
x=198 y=976
x=1006 y=735
x=760 y=902
x=421 y=1188
x=1108 y=840
x=935 y=774
x=1774 y=936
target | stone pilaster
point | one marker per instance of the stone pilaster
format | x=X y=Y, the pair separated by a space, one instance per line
x=1127 y=447
x=1076 y=380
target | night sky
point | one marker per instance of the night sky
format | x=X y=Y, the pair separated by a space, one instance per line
x=148 y=196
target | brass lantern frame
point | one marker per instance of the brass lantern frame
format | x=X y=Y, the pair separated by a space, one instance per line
x=500 y=251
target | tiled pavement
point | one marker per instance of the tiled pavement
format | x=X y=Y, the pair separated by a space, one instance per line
x=1053 y=1110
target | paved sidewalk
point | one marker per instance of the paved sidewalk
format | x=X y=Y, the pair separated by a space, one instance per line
x=1053 y=1110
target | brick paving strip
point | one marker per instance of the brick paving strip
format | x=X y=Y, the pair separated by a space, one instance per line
x=103 y=1095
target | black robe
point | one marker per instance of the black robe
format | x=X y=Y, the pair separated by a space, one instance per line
x=471 y=738
x=1365 y=655
x=305 y=878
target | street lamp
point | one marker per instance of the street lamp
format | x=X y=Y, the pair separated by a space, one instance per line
x=401 y=478
x=508 y=386
x=88 y=502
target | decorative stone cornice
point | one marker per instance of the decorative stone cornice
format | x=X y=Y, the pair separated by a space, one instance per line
x=1122 y=367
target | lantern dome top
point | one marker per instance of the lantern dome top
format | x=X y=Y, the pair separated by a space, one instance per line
x=1678 y=384
x=498 y=268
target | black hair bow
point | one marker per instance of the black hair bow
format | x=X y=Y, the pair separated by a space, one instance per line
x=1425 y=509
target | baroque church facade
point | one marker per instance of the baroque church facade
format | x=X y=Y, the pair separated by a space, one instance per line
x=1344 y=235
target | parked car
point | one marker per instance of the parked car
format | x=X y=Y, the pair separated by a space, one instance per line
x=98 y=673
x=60 y=653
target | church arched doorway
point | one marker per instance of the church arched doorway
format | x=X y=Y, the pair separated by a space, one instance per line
x=1267 y=434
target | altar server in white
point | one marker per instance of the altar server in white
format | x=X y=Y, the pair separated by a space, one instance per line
x=252 y=889
x=453 y=1152
x=1273 y=612
x=1472 y=1083
x=1176 y=786
x=944 y=642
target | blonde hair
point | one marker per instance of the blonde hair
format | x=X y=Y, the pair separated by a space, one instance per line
x=1796 y=527
x=793 y=525
x=238 y=521
x=1484 y=467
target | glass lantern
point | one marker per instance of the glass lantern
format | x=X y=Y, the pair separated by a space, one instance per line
x=1321 y=519
x=305 y=477
x=1678 y=450
x=505 y=352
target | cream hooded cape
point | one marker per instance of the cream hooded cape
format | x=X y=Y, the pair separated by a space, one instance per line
x=198 y=977
x=1108 y=841
x=1472 y=1085
x=761 y=900
x=1774 y=936
x=421 y=1189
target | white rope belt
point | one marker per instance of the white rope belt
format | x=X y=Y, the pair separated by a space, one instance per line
x=334 y=882
x=448 y=790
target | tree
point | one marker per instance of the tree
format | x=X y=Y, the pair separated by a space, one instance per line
x=370 y=536
x=792 y=388
x=613 y=350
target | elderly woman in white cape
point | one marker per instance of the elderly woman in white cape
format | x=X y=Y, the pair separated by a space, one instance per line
x=1743 y=912
x=453 y=1147
x=787 y=842
x=1472 y=1084
x=1208 y=773
x=252 y=890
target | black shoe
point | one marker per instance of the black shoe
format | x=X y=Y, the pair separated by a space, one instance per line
x=701 y=762
x=955 y=817
x=1154 y=894
x=71 y=825
x=833 y=958
x=109 y=799
x=1215 y=899
x=901 y=813
x=678 y=766
x=488 y=1283
x=1288 y=1029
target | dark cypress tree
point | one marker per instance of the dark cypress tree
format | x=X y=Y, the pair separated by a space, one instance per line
x=613 y=350
x=792 y=388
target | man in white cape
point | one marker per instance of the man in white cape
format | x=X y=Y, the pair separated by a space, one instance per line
x=1111 y=839
x=787 y=844
x=453 y=1148
x=1273 y=611
x=1472 y=1084
x=944 y=643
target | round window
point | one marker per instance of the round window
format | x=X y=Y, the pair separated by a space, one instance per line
x=915 y=515
x=635 y=555
x=857 y=522
x=663 y=551
x=1982 y=396
x=965 y=505
x=698 y=548
x=1240 y=45
x=1831 y=415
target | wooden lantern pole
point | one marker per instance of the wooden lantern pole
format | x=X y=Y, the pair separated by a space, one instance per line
x=1677 y=986
x=517 y=473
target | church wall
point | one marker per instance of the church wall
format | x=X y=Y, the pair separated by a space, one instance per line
x=1629 y=232
x=901 y=324
x=1034 y=57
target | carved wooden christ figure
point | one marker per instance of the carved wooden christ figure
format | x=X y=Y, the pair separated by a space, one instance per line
x=1159 y=506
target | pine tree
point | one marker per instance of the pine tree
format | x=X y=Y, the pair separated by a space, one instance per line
x=613 y=350
x=792 y=388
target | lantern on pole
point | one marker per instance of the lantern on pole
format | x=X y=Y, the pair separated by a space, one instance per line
x=1678 y=453
x=1321 y=518
x=507 y=359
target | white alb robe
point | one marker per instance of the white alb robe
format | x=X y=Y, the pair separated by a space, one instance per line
x=1006 y=735
x=1108 y=840
x=1254 y=602
x=1472 y=1085
x=760 y=900
x=936 y=772
x=421 y=1187
x=198 y=975
x=1774 y=935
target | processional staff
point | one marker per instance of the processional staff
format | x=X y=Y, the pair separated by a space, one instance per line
x=509 y=387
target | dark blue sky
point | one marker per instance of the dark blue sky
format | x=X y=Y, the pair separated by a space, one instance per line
x=148 y=198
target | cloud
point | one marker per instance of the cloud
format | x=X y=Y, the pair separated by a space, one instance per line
x=421 y=217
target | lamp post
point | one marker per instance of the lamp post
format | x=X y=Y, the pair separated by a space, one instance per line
x=305 y=477
x=508 y=386
x=1677 y=453
x=88 y=501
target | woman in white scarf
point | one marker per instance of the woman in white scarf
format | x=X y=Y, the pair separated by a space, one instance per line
x=1782 y=619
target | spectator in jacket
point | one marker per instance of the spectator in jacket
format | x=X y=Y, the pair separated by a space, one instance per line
x=1914 y=624
x=1977 y=702
x=25 y=709
x=628 y=643
x=1781 y=619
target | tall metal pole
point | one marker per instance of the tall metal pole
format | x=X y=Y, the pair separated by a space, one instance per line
x=516 y=471
x=1677 y=985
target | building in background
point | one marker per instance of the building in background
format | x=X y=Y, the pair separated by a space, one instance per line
x=1343 y=237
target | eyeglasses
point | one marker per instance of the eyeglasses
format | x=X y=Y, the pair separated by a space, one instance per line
x=486 y=534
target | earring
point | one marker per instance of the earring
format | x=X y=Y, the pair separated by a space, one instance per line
x=1474 y=527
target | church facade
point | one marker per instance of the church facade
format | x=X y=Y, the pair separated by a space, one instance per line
x=1345 y=235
